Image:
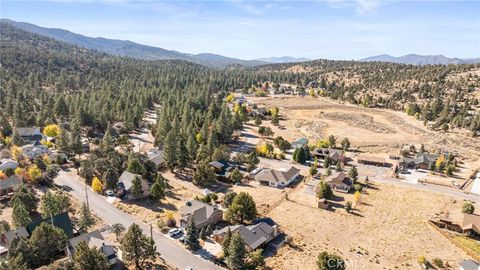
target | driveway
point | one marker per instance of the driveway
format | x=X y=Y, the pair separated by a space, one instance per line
x=174 y=255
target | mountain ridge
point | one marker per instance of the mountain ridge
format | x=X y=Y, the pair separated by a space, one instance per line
x=416 y=59
x=129 y=48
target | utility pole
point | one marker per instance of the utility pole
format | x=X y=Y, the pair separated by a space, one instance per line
x=151 y=231
x=86 y=197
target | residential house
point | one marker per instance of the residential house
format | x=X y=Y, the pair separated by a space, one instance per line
x=222 y=168
x=254 y=236
x=93 y=239
x=30 y=134
x=421 y=161
x=125 y=183
x=9 y=184
x=118 y=129
x=7 y=163
x=469 y=265
x=59 y=158
x=339 y=182
x=299 y=143
x=155 y=155
x=335 y=155
x=61 y=221
x=203 y=214
x=34 y=150
x=371 y=160
x=277 y=178
x=7 y=237
x=468 y=224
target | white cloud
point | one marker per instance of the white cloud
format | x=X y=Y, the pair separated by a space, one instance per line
x=361 y=6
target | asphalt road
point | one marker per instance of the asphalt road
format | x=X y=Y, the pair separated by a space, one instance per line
x=173 y=254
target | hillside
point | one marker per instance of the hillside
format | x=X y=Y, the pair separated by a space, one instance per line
x=443 y=96
x=129 y=48
x=415 y=59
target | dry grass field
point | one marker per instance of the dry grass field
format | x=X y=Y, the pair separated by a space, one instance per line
x=389 y=230
x=150 y=212
x=370 y=130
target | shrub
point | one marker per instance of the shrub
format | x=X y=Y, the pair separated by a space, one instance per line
x=468 y=208
x=438 y=262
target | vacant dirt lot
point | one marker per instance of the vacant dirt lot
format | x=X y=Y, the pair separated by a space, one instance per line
x=370 y=130
x=388 y=231
x=150 y=212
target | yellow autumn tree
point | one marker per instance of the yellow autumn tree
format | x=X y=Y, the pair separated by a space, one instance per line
x=51 y=130
x=16 y=152
x=356 y=196
x=440 y=163
x=46 y=159
x=97 y=185
x=34 y=173
x=312 y=92
x=47 y=143
x=19 y=171
x=230 y=97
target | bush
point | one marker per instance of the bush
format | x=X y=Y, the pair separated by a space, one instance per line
x=438 y=262
x=468 y=208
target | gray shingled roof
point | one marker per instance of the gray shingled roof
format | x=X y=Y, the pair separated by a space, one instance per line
x=276 y=176
x=199 y=211
x=126 y=178
x=253 y=235
x=11 y=182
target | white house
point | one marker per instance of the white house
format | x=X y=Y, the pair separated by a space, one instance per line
x=34 y=150
x=8 y=163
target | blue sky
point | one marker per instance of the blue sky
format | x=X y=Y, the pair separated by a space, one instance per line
x=333 y=29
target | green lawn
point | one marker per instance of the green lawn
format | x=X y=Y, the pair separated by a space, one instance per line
x=468 y=243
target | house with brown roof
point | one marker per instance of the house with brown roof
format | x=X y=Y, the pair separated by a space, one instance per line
x=254 y=236
x=421 y=161
x=203 y=214
x=468 y=224
x=339 y=182
x=335 y=155
x=277 y=178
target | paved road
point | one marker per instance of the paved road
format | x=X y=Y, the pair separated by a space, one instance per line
x=173 y=254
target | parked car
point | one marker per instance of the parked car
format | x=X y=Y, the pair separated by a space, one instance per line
x=174 y=232
x=109 y=192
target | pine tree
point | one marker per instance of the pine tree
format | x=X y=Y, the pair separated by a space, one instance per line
x=204 y=174
x=170 y=150
x=182 y=154
x=20 y=215
x=191 y=145
x=46 y=242
x=16 y=139
x=86 y=220
x=236 y=253
x=137 y=190
x=138 y=248
x=19 y=247
x=87 y=258
x=157 y=191
x=191 y=238
x=226 y=243
x=107 y=141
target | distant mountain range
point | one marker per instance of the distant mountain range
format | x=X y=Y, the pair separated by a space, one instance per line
x=135 y=50
x=283 y=59
x=415 y=59
x=131 y=49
